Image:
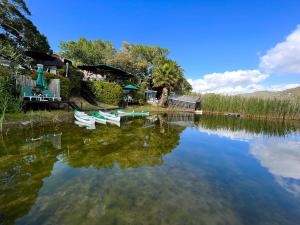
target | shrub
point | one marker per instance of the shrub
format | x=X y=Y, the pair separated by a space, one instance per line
x=106 y=92
x=8 y=101
x=75 y=76
x=139 y=96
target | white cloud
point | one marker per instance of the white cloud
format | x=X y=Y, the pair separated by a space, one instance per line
x=284 y=57
x=230 y=82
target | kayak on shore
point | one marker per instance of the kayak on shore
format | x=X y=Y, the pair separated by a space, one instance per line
x=84 y=118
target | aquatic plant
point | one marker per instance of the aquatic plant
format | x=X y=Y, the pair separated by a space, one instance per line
x=252 y=106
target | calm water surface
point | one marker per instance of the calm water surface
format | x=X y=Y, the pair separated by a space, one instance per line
x=170 y=169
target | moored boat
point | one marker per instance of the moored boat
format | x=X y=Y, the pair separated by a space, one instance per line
x=110 y=116
x=98 y=118
x=84 y=118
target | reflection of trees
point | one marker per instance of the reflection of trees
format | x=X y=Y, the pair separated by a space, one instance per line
x=23 y=166
x=131 y=146
x=271 y=128
x=21 y=178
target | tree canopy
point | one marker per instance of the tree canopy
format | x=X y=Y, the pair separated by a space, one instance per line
x=150 y=64
x=86 y=52
x=17 y=31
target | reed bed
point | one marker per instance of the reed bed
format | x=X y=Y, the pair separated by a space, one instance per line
x=252 y=106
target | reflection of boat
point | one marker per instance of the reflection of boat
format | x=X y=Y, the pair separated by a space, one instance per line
x=124 y=113
x=117 y=123
x=98 y=118
x=55 y=139
x=88 y=126
x=110 y=116
x=84 y=118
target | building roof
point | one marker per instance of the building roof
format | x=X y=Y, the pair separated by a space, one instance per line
x=102 y=68
x=46 y=59
x=185 y=98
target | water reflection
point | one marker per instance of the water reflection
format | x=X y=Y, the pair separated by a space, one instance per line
x=154 y=171
x=282 y=158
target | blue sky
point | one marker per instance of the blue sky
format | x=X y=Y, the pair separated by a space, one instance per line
x=205 y=37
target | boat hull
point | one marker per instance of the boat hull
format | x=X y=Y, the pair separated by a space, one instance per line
x=83 y=118
x=109 y=116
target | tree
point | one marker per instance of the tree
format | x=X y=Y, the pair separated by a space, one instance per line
x=8 y=102
x=166 y=73
x=86 y=52
x=17 y=31
x=138 y=59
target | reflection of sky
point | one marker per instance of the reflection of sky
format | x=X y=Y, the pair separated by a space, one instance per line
x=280 y=155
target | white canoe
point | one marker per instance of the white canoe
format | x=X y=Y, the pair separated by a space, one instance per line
x=98 y=120
x=110 y=116
x=84 y=118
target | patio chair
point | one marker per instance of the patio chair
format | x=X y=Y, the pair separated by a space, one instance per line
x=27 y=93
x=48 y=95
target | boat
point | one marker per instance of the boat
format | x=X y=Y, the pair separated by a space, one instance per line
x=133 y=113
x=84 y=118
x=87 y=126
x=98 y=118
x=110 y=116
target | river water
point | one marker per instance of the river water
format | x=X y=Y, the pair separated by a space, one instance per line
x=167 y=169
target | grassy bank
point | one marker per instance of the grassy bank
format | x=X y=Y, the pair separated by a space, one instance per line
x=251 y=106
x=32 y=117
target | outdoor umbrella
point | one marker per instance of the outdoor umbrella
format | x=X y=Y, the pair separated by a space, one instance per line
x=40 y=82
x=131 y=87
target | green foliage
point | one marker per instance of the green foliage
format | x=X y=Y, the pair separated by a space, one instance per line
x=252 y=106
x=75 y=76
x=150 y=64
x=8 y=101
x=106 y=92
x=139 y=96
x=17 y=31
x=167 y=73
x=86 y=52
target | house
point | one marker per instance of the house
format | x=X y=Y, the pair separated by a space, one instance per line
x=51 y=62
x=104 y=72
x=184 y=102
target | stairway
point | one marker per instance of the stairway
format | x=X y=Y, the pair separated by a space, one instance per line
x=74 y=106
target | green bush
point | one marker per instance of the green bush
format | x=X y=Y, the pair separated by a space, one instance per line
x=65 y=83
x=8 y=101
x=106 y=92
x=139 y=96
x=75 y=76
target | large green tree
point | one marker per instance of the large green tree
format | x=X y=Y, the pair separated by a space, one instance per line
x=17 y=31
x=138 y=59
x=87 y=52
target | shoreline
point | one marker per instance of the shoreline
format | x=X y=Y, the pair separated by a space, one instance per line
x=60 y=116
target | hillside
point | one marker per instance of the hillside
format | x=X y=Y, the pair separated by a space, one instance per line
x=292 y=93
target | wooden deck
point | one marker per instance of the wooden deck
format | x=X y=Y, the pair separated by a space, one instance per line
x=48 y=105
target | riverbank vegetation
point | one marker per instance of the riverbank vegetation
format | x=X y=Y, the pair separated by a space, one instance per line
x=151 y=65
x=251 y=106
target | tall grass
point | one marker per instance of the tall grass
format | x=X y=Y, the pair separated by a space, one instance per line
x=252 y=106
